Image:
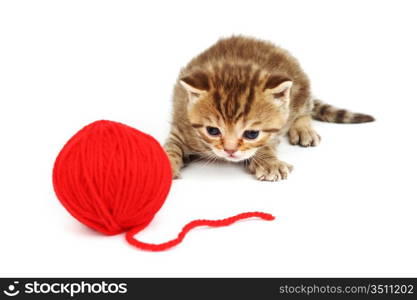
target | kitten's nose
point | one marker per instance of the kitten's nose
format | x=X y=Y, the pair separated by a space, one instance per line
x=230 y=151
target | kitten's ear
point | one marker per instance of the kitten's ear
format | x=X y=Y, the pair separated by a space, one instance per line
x=196 y=85
x=280 y=87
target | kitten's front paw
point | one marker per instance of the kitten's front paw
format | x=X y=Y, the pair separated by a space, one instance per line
x=270 y=171
x=304 y=136
x=176 y=174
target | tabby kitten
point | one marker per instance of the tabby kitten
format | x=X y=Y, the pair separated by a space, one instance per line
x=235 y=100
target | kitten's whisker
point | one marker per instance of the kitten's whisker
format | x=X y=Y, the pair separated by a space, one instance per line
x=208 y=156
x=202 y=155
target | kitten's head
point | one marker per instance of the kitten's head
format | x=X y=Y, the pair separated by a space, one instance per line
x=235 y=110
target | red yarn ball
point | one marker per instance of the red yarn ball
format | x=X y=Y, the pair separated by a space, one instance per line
x=112 y=177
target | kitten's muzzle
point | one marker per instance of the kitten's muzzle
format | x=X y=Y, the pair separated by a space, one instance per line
x=230 y=151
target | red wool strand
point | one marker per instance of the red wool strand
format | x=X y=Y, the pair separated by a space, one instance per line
x=114 y=178
x=193 y=224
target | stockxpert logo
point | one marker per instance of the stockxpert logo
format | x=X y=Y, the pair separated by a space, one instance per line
x=12 y=290
x=71 y=289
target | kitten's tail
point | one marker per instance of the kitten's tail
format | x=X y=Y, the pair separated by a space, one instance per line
x=327 y=113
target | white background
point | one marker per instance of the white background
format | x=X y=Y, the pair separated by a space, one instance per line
x=348 y=209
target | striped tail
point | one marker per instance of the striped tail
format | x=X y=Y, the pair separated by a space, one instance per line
x=327 y=113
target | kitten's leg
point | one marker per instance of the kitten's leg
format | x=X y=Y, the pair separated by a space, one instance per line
x=301 y=133
x=266 y=166
x=175 y=149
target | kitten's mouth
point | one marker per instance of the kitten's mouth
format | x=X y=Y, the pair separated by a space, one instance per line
x=234 y=157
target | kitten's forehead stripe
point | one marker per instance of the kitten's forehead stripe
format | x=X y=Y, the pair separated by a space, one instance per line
x=238 y=116
x=255 y=78
x=231 y=104
x=217 y=100
x=249 y=101
x=251 y=95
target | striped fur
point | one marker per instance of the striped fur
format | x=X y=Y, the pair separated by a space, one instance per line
x=328 y=113
x=242 y=84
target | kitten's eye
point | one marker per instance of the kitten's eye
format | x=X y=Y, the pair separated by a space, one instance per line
x=214 y=131
x=251 y=134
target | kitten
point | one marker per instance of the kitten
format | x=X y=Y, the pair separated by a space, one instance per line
x=235 y=100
